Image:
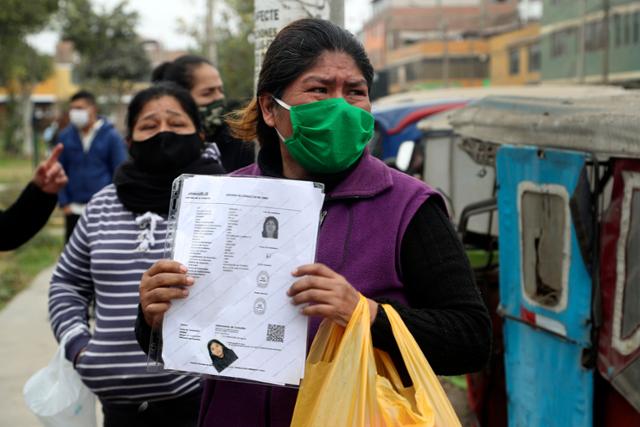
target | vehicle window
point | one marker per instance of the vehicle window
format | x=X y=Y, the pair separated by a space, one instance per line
x=543 y=219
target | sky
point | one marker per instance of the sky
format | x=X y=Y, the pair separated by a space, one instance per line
x=158 y=20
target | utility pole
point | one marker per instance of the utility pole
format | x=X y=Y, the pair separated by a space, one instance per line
x=580 y=72
x=445 y=54
x=211 y=50
x=445 y=45
x=605 y=30
x=271 y=16
x=337 y=12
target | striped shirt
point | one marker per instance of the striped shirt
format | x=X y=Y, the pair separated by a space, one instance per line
x=105 y=258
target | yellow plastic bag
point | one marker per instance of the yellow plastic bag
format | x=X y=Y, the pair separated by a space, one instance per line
x=349 y=383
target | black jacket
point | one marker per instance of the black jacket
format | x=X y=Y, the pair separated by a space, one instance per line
x=235 y=153
x=25 y=217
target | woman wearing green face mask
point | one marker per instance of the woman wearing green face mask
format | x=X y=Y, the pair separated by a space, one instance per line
x=383 y=234
x=203 y=81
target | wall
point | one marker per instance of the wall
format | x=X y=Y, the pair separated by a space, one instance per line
x=563 y=60
x=421 y=64
x=500 y=48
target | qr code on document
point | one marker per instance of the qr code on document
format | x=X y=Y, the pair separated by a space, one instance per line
x=275 y=333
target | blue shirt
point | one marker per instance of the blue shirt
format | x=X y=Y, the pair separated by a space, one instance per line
x=89 y=171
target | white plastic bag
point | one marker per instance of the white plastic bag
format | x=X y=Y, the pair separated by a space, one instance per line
x=57 y=396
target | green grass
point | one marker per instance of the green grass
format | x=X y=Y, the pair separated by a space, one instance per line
x=19 y=267
x=478 y=258
x=14 y=171
x=459 y=381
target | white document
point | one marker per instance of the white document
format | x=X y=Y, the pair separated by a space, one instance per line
x=240 y=238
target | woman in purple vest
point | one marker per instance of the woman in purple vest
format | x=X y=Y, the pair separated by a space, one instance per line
x=383 y=234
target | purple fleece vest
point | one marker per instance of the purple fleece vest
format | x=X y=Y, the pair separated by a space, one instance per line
x=360 y=237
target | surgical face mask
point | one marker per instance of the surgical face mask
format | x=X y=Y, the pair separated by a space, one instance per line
x=329 y=135
x=79 y=117
x=211 y=116
x=166 y=152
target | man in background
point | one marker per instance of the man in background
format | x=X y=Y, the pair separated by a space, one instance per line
x=93 y=149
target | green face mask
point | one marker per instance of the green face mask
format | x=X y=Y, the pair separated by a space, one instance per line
x=211 y=116
x=329 y=135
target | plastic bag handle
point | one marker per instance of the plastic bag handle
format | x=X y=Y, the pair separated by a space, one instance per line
x=409 y=349
x=329 y=338
x=419 y=369
x=70 y=333
x=62 y=346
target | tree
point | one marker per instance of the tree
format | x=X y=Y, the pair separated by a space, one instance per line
x=21 y=66
x=29 y=67
x=235 y=51
x=19 y=18
x=234 y=48
x=112 y=57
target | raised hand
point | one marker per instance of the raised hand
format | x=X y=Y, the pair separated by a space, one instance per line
x=49 y=175
x=162 y=282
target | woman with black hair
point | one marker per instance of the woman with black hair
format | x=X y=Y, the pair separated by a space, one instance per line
x=383 y=234
x=203 y=81
x=270 y=228
x=221 y=355
x=120 y=235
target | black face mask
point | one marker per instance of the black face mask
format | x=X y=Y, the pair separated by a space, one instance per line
x=166 y=152
x=211 y=116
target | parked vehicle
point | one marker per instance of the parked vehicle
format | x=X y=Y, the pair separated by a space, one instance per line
x=397 y=124
x=567 y=203
x=398 y=116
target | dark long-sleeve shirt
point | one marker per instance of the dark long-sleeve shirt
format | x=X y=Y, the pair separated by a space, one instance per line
x=234 y=153
x=446 y=314
x=25 y=217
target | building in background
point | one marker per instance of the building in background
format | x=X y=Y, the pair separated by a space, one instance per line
x=59 y=85
x=591 y=41
x=434 y=43
x=432 y=64
x=45 y=96
x=515 y=56
x=417 y=44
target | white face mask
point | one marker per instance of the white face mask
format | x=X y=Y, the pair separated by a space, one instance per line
x=79 y=117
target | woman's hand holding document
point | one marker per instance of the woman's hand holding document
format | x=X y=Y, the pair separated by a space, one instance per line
x=240 y=238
